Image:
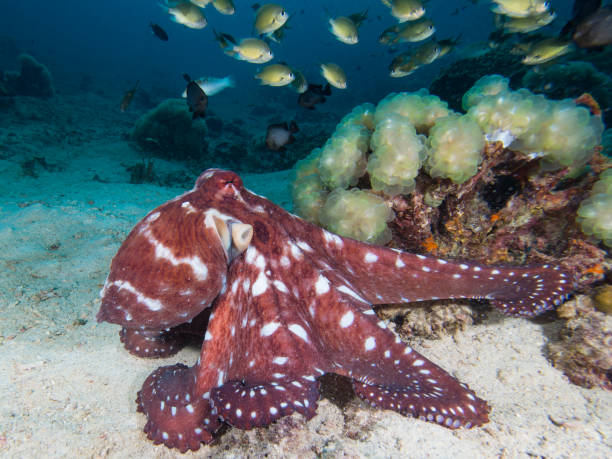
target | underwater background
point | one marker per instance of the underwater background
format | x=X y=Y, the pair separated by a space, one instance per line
x=449 y=144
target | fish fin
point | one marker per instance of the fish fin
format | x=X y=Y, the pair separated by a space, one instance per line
x=229 y=38
x=231 y=82
x=358 y=18
x=293 y=127
x=187 y=77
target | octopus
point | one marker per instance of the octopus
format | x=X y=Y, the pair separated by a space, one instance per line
x=279 y=302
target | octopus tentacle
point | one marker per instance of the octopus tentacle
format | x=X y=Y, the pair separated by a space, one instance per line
x=152 y=343
x=382 y=275
x=386 y=372
x=248 y=406
x=176 y=415
x=264 y=341
x=464 y=410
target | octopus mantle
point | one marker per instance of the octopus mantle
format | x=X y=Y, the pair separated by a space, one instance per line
x=279 y=302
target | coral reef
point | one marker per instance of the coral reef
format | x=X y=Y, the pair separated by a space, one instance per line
x=168 y=131
x=33 y=79
x=463 y=73
x=569 y=80
x=495 y=184
x=584 y=349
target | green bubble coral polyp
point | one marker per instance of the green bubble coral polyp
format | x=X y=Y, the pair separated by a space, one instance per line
x=384 y=151
x=595 y=212
x=454 y=148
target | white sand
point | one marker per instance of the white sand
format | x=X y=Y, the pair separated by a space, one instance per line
x=67 y=386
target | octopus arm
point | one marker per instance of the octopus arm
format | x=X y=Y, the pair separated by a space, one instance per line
x=261 y=356
x=387 y=373
x=382 y=275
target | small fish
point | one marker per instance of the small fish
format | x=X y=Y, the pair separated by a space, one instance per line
x=281 y=134
x=520 y=8
x=526 y=24
x=251 y=50
x=196 y=98
x=299 y=83
x=275 y=75
x=411 y=32
x=344 y=29
x=402 y=65
x=447 y=45
x=595 y=30
x=405 y=10
x=127 y=98
x=315 y=94
x=269 y=17
x=546 y=50
x=388 y=34
x=185 y=13
x=212 y=85
x=426 y=53
x=224 y=6
x=334 y=75
x=158 y=32
x=580 y=11
x=521 y=48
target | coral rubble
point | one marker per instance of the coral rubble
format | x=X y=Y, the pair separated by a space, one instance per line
x=584 y=349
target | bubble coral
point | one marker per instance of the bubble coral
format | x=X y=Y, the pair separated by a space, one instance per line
x=398 y=153
x=415 y=153
x=595 y=212
x=454 y=148
x=563 y=133
x=421 y=108
x=364 y=215
x=309 y=193
x=343 y=157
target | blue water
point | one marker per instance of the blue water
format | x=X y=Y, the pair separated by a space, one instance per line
x=111 y=41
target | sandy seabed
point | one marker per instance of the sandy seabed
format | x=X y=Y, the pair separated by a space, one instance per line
x=67 y=386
